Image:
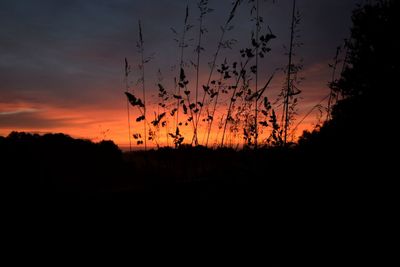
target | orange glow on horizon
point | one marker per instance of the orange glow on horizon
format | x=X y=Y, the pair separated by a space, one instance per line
x=110 y=122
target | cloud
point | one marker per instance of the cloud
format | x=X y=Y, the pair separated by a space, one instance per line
x=18 y=111
x=30 y=119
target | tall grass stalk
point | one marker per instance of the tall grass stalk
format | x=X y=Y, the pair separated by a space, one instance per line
x=212 y=119
x=332 y=94
x=224 y=29
x=344 y=65
x=141 y=50
x=258 y=28
x=247 y=53
x=183 y=82
x=212 y=116
x=126 y=77
x=182 y=45
x=233 y=98
x=309 y=113
x=286 y=115
x=204 y=10
x=163 y=95
x=259 y=48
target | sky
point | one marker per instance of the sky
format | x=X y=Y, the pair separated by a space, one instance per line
x=62 y=62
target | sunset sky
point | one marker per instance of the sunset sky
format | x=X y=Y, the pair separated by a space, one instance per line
x=62 y=62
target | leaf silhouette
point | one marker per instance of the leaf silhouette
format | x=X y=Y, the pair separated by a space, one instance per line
x=232 y=14
x=134 y=101
x=141 y=118
x=158 y=119
x=177 y=96
x=174 y=111
x=182 y=75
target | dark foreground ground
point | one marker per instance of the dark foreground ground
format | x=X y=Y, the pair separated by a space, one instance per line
x=53 y=164
x=311 y=204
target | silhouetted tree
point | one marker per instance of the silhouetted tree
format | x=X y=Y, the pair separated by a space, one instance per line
x=57 y=162
x=365 y=117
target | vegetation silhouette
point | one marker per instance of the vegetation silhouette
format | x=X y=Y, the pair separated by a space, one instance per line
x=327 y=163
x=364 y=107
x=228 y=83
x=57 y=163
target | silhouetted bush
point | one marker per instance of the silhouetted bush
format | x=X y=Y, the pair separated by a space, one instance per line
x=57 y=162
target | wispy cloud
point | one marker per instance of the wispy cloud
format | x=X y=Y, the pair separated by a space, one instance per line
x=29 y=120
x=18 y=111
